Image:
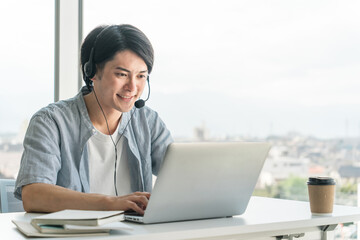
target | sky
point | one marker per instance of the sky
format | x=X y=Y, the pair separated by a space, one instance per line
x=251 y=68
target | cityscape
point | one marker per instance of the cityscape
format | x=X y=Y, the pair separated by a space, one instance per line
x=293 y=157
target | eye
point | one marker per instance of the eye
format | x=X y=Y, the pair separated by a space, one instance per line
x=120 y=74
x=142 y=76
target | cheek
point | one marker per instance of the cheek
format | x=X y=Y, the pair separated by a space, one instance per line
x=141 y=86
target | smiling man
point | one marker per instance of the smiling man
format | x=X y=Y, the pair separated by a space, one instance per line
x=97 y=151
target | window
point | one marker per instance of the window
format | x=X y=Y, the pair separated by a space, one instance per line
x=281 y=71
x=248 y=68
x=26 y=65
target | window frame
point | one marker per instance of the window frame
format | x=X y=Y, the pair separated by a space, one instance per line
x=68 y=39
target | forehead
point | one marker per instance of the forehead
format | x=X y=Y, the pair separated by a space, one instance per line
x=127 y=59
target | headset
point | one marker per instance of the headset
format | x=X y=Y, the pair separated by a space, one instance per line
x=89 y=66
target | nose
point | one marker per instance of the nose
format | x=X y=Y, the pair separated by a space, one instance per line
x=131 y=83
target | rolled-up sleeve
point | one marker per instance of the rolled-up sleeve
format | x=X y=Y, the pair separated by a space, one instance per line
x=40 y=160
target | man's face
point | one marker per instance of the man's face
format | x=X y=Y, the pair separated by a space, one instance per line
x=121 y=82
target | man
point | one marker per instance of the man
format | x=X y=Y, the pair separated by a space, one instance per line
x=79 y=152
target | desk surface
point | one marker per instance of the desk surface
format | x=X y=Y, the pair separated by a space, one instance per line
x=264 y=216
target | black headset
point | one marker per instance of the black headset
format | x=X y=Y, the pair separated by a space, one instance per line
x=89 y=66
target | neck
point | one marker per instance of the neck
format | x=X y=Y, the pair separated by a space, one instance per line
x=97 y=110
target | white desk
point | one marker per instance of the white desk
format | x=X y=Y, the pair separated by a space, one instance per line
x=265 y=218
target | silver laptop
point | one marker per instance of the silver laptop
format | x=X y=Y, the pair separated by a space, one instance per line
x=204 y=180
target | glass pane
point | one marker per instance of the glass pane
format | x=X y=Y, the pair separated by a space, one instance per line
x=248 y=68
x=26 y=65
x=286 y=72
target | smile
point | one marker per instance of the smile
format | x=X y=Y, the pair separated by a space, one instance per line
x=125 y=98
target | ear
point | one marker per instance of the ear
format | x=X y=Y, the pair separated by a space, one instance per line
x=91 y=81
x=97 y=76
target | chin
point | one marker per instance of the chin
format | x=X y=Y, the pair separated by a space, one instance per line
x=126 y=109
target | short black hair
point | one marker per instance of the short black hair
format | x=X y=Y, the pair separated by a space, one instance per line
x=107 y=40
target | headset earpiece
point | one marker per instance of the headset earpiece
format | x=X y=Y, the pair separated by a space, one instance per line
x=89 y=67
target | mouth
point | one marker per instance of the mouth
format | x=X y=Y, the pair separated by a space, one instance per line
x=125 y=98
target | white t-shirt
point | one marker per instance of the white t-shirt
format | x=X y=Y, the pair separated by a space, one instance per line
x=102 y=163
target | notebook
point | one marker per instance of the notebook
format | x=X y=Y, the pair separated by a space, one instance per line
x=204 y=180
x=79 y=217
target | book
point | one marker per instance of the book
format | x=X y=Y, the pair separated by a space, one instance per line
x=70 y=223
x=78 y=217
x=30 y=231
x=68 y=228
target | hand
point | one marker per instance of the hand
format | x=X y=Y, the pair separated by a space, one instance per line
x=136 y=201
x=43 y=197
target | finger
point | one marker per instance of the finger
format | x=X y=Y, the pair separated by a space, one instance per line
x=147 y=194
x=135 y=207
x=141 y=201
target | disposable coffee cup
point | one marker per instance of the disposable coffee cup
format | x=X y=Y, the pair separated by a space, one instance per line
x=321 y=195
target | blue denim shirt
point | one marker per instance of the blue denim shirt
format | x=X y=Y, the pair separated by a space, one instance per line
x=55 y=146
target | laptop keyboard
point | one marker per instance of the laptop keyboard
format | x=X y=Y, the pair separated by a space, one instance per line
x=132 y=213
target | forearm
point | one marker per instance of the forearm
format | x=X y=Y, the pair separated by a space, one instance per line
x=41 y=197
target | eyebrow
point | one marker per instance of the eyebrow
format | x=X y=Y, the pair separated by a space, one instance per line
x=126 y=70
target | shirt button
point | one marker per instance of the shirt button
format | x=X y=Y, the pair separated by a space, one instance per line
x=94 y=131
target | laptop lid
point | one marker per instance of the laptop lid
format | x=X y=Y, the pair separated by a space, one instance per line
x=205 y=180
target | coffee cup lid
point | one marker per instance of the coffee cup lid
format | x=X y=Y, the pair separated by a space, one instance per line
x=321 y=181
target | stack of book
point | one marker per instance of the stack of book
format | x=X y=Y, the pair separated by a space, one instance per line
x=70 y=223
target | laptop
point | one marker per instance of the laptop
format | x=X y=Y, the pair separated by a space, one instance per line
x=204 y=180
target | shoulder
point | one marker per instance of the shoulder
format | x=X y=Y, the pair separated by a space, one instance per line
x=148 y=120
x=147 y=111
x=146 y=114
x=70 y=108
